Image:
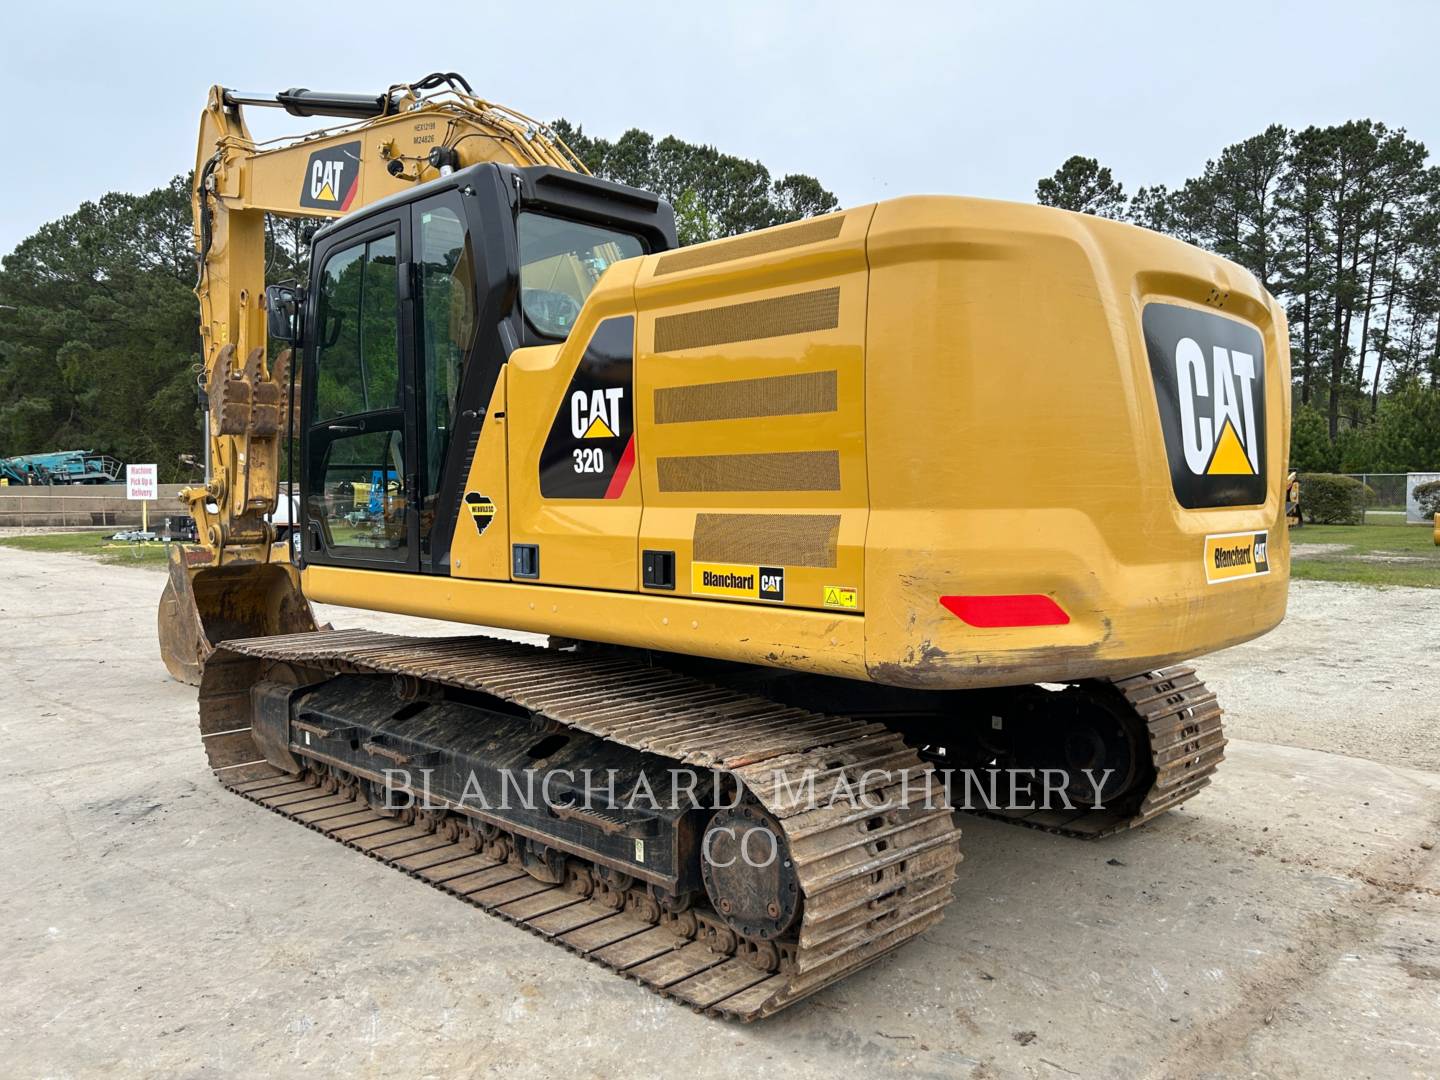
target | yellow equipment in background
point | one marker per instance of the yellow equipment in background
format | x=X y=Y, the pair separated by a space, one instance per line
x=827 y=500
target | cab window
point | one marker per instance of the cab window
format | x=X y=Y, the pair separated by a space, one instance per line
x=446 y=322
x=357 y=356
x=357 y=473
x=560 y=262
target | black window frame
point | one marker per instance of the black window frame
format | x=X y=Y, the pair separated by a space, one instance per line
x=314 y=445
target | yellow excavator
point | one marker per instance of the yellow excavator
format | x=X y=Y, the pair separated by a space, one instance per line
x=842 y=522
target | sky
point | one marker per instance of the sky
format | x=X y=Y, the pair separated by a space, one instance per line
x=875 y=100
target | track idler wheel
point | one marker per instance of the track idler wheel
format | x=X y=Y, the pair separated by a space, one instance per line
x=748 y=872
x=1088 y=732
x=1101 y=737
x=612 y=886
x=579 y=880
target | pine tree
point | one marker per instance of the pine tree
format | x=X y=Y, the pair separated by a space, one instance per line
x=1084 y=185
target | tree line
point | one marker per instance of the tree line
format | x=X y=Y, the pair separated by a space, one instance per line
x=99 y=326
x=99 y=333
x=714 y=194
x=1342 y=225
x=99 y=343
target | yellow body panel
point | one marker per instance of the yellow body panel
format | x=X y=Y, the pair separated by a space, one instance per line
x=583 y=542
x=792 y=403
x=991 y=428
x=1015 y=446
x=486 y=554
x=805 y=640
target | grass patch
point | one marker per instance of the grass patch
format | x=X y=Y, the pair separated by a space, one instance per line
x=95 y=544
x=1385 y=552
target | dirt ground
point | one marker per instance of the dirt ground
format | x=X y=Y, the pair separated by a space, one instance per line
x=1282 y=924
x=1353 y=669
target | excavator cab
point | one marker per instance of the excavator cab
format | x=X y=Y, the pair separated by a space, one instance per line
x=414 y=305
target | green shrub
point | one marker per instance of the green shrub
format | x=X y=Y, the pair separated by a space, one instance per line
x=1428 y=496
x=1328 y=499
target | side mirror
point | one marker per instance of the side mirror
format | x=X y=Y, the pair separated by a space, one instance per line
x=282 y=311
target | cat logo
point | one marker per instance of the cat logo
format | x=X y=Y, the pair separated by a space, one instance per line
x=595 y=414
x=590 y=450
x=1213 y=443
x=1209 y=375
x=772 y=583
x=331 y=178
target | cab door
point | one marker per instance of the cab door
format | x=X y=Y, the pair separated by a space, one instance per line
x=360 y=477
x=455 y=366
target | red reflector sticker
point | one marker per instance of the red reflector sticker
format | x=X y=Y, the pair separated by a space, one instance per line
x=1031 y=609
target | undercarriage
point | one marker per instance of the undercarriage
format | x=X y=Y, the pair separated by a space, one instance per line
x=730 y=837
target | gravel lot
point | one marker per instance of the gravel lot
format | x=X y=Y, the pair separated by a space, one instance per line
x=1352 y=670
x=1282 y=924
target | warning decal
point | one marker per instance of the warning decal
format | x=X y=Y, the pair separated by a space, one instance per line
x=741 y=582
x=838 y=596
x=1229 y=556
x=481 y=510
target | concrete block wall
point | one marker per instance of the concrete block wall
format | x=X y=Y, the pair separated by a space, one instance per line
x=92 y=505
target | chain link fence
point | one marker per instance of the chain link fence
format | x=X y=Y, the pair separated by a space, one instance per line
x=1387 y=491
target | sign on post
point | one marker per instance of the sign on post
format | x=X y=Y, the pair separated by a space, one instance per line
x=141 y=486
x=1413 y=480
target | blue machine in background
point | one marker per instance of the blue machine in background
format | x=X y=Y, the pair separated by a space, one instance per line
x=62 y=467
x=379 y=485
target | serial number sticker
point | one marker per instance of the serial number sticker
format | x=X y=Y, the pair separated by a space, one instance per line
x=841 y=597
x=1230 y=556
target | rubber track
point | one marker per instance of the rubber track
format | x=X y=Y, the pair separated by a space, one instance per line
x=1187 y=744
x=871 y=878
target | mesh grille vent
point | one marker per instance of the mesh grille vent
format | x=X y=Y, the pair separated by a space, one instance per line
x=799 y=313
x=767 y=539
x=779 y=395
x=806 y=470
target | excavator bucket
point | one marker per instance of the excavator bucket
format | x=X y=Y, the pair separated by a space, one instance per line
x=203 y=606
